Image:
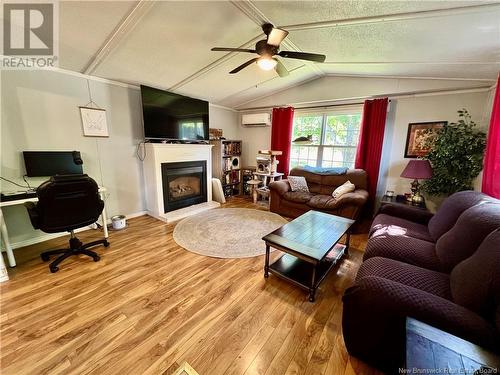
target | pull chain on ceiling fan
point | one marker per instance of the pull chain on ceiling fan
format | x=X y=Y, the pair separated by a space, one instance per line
x=268 y=49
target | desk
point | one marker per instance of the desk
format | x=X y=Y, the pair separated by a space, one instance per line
x=5 y=234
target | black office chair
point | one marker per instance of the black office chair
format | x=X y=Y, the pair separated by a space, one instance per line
x=65 y=203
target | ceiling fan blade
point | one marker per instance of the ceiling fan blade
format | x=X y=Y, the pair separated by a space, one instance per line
x=276 y=36
x=280 y=69
x=244 y=65
x=303 y=56
x=232 y=49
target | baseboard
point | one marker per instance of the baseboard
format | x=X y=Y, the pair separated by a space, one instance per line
x=137 y=214
x=49 y=236
x=173 y=216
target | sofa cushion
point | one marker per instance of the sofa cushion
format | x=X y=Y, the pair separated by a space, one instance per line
x=396 y=245
x=346 y=187
x=429 y=281
x=467 y=234
x=313 y=179
x=386 y=223
x=452 y=207
x=298 y=196
x=280 y=186
x=475 y=282
x=298 y=183
x=356 y=176
x=322 y=202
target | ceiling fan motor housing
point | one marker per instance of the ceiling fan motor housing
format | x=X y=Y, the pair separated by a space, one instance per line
x=267 y=28
x=264 y=49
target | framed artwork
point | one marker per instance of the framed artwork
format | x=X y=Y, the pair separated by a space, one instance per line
x=94 y=122
x=419 y=133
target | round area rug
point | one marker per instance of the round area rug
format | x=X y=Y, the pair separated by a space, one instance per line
x=227 y=232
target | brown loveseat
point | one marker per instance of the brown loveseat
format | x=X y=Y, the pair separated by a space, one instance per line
x=321 y=186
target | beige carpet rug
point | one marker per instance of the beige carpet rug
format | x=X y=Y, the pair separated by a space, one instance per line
x=227 y=232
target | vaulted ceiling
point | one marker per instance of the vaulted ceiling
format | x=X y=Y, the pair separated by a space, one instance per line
x=167 y=44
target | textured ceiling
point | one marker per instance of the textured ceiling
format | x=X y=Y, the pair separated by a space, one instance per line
x=168 y=44
x=84 y=26
x=299 y=12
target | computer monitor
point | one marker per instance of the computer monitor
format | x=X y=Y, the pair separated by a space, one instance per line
x=50 y=163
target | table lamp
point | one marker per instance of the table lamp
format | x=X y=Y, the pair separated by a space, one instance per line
x=417 y=169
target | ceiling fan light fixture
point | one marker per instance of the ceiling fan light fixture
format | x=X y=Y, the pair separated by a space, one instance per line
x=266 y=63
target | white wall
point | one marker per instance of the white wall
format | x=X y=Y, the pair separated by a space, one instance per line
x=254 y=139
x=423 y=109
x=40 y=112
x=225 y=119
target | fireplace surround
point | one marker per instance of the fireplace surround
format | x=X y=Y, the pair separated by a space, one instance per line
x=158 y=154
x=184 y=184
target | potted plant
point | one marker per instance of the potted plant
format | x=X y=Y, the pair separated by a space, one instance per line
x=456 y=156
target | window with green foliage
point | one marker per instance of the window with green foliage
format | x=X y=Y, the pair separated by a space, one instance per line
x=333 y=138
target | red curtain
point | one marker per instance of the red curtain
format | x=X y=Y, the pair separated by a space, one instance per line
x=371 y=138
x=281 y=136
x=491 y=171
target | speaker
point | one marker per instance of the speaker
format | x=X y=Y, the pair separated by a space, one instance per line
x=235 y=162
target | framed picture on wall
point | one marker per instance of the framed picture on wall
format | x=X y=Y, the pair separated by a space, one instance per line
x=94 y=122
x=419 y=135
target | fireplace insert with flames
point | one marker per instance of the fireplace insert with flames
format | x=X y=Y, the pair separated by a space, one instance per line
x=184 y=184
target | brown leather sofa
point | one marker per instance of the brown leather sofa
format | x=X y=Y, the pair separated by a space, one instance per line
x=290 y=203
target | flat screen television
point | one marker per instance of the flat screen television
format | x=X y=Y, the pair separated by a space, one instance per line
x=169 y=116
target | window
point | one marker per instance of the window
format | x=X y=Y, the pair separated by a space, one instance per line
x=334 y=142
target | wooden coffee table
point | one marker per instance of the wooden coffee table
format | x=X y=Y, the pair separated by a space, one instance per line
x=311 y=246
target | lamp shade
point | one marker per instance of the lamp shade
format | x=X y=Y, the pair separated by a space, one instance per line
x=418 y=169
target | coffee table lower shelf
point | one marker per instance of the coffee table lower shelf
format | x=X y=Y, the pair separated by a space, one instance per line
x=305 y=274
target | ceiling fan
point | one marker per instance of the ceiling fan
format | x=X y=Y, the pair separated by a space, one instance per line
x=268 y=48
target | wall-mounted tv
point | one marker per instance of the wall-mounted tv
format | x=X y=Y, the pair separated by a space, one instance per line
x=169 y=116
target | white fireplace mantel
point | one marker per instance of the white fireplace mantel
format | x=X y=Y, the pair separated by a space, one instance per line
x=158 y=153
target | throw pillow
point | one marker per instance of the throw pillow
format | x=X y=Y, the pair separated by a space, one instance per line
x=298 y=183
x=346 y=187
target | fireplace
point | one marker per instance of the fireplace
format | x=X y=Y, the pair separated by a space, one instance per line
x=184 y=184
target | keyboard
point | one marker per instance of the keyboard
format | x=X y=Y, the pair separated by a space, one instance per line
x=17 y=196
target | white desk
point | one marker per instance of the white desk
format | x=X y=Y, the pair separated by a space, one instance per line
x=5 y=234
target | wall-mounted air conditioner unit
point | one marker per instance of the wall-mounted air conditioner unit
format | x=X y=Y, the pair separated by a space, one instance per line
x=256 y=119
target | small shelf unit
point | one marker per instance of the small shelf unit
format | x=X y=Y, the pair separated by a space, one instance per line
x=226 y=165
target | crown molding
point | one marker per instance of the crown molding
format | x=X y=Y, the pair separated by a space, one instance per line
x=430 y=78
x=91 y=77
x=222 y=107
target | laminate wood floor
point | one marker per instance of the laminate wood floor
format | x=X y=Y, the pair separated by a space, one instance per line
x=150 y=305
